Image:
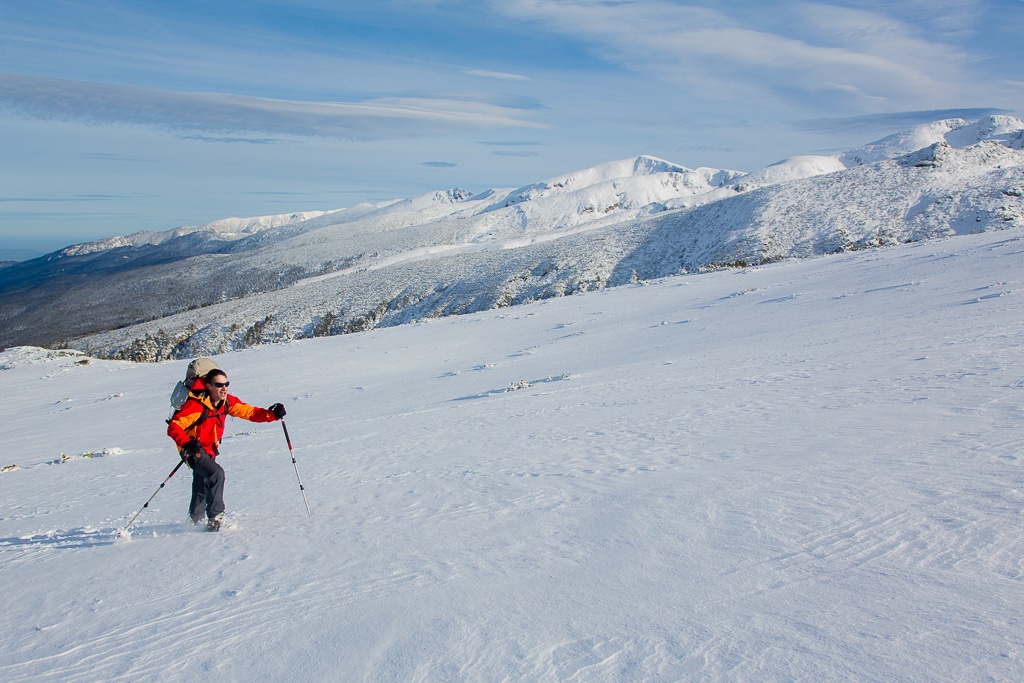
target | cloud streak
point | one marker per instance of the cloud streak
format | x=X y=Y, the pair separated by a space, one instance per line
x=499 y=75
x=223 y=113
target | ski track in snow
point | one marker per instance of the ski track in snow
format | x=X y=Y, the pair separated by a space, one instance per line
x=805 y=471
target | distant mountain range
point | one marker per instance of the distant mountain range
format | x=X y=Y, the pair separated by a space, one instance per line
x=240 y=282
x=10 y=256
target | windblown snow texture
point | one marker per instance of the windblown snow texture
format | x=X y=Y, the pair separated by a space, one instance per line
x=801 y=471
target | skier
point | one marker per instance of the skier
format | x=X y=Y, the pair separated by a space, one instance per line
x=197 y=429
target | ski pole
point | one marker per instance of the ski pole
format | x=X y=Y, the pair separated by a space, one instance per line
x=123 y=531
x=302 y=488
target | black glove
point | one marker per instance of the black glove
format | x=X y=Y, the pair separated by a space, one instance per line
x=278 y=410
x=191 y=450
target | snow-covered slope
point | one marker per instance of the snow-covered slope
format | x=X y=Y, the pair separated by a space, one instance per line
x=804 y=471
x=449 y=252
x=1007 y=130
x=934 y=192
x=227 y=229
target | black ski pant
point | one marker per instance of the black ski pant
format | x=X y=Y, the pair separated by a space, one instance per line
x=207 y=488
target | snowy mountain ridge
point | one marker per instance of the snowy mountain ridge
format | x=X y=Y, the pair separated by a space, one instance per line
x=958 y=133
x=223 y=229
x=452 y=251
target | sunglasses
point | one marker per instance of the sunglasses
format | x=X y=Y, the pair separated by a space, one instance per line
x=221 y=385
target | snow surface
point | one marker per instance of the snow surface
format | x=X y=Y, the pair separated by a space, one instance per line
x=805 y=471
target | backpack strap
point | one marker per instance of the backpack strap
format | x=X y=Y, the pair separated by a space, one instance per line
x=222 y=414
x=202 y=417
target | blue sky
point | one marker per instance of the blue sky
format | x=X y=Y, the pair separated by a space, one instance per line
x=118 y=116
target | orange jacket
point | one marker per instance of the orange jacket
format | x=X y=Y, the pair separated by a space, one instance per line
x=188 y=423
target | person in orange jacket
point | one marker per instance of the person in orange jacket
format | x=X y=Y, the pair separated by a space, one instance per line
x=197 y=429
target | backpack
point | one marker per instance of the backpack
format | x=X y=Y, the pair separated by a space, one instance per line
x=200 y=367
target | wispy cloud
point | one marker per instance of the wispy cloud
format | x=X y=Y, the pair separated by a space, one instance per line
x=439 y=164
x=498 y=75
x=234 y=139
x=224 y=113
x=786 y=52
x=513 y=153
x=109 y=156
x=515 y=147
x=49 y=200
